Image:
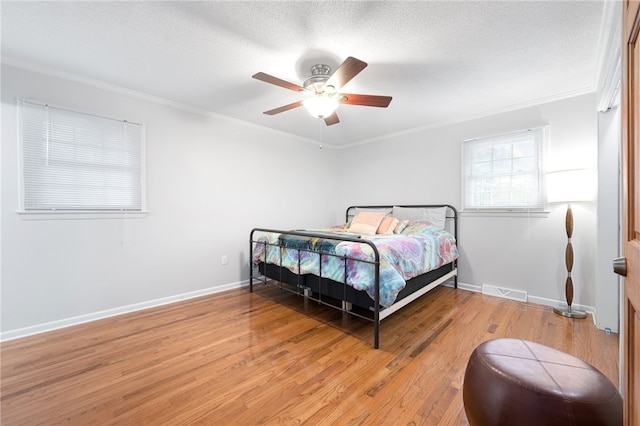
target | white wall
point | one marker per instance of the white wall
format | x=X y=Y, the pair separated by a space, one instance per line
x=206 y=189
x=608 y=284
x=523 y=252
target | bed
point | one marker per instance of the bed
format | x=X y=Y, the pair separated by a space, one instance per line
x=381 y=259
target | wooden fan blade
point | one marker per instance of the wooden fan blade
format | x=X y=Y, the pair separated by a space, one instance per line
x=366 y=100
x=345 y=72
x=283 y=108
x=278 y=82
x=332 y=119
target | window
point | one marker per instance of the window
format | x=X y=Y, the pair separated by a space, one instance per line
x=504 y=172
x=77 y=162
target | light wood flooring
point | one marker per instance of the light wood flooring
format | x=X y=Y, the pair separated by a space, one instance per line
x=269 y=357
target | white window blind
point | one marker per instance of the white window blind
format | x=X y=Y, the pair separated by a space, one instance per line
x=73 y=161
x=504 y=172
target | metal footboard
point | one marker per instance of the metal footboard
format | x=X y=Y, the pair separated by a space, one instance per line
x=375 y=262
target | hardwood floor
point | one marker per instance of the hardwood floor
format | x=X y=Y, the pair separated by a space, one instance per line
x=269 y=357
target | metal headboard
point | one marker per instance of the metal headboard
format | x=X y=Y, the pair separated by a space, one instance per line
x=452 y=212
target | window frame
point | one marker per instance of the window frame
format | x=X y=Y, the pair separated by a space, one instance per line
x=540 y=209
x=89 y=213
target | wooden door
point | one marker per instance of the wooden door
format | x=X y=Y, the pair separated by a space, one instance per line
x=631 y=209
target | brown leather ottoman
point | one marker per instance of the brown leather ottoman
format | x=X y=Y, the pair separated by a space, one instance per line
x=517 y=382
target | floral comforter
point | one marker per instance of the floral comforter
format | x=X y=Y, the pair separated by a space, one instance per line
x=421 y=247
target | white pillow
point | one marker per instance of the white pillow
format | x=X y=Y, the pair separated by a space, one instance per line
x=385 y=210
x=436 y=215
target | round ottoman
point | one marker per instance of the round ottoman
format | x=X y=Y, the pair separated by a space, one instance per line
x=517 y=382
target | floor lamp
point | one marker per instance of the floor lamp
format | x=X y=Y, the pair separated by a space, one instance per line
x=567 y=186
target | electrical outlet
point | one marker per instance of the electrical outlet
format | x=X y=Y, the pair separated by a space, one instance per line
x=225 y=260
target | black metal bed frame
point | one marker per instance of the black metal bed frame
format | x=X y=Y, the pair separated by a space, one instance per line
x=301 y=289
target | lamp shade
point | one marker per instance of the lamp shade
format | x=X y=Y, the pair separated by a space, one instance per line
x=321 y=106
x=565 y=186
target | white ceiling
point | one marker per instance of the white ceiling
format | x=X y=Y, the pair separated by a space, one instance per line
x=442 y=62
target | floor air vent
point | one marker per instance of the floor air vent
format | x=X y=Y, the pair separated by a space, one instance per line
x=505 y=293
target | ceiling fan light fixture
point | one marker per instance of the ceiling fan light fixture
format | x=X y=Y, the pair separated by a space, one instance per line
x=321 y=106
x=323 y=91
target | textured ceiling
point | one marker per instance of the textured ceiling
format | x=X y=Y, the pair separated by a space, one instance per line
x=442 y=62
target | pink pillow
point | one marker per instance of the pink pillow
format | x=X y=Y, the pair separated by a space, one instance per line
x=366 y=223
x=387 y=225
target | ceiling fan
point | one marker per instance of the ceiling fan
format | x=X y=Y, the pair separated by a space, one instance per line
x=323 y=89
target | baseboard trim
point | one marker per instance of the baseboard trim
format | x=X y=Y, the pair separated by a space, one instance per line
x=463 y=286
x=553 y=303
x=81 y=319
x=532 y=299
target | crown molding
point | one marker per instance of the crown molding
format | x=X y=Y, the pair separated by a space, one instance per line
x=148 y=98
x=488 y=113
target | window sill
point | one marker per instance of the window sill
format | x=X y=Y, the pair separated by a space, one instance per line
x=505 y=213
x=78 y=215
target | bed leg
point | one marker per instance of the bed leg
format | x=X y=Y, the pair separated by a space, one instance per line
x=346 y=306
x=376 y=335
x=308 y=292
